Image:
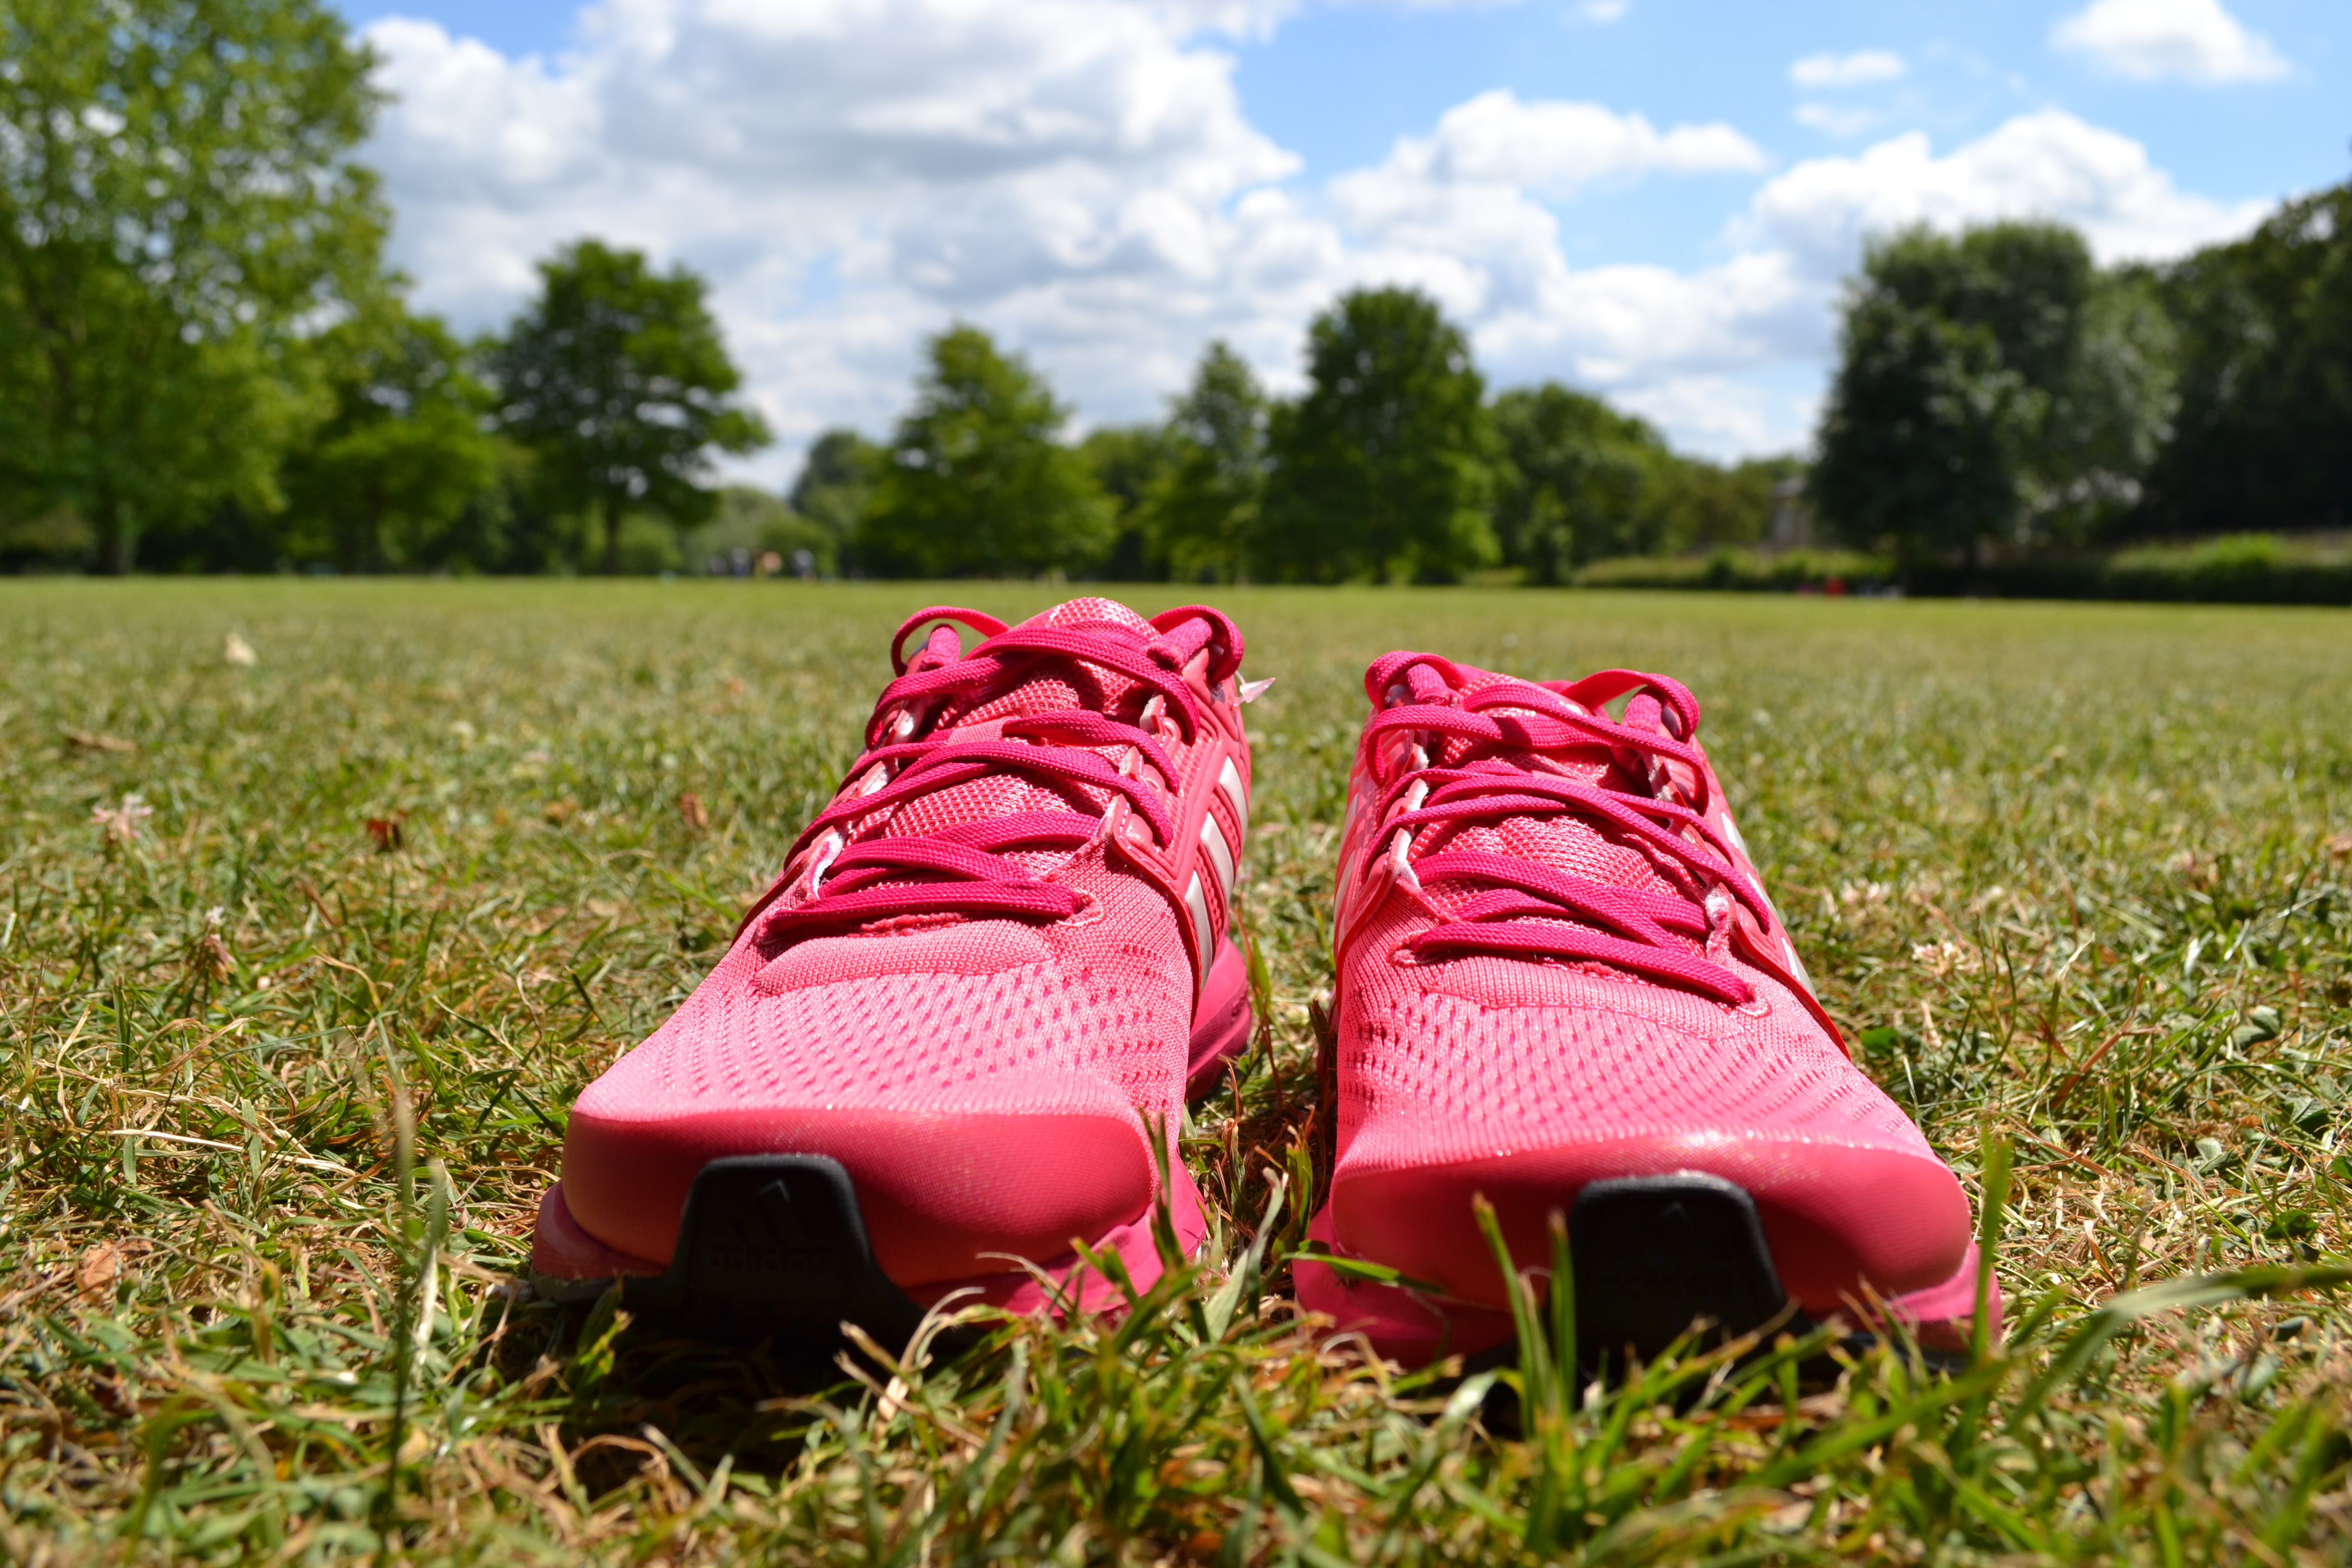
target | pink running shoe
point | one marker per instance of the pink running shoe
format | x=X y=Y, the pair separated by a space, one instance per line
x=942 y=1040
x=1561 y=985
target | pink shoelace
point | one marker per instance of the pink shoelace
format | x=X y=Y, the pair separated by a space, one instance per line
x=1522 y=905
x=963 y=869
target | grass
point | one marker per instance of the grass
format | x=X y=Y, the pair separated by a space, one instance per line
x=286 y=1065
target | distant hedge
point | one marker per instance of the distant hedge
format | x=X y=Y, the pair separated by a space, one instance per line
x=1743 y=570
x=2237 y=569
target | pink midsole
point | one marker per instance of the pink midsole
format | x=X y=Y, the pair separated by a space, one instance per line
x=562 y=1250
x=1415 y=1327
x=1222 y=1023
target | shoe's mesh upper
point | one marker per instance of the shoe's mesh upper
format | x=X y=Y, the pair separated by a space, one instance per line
x=893 y=1048
x=1465 y=1057
x=1048 y=687
x=1565 y=843
x=1110 y=1001
x=1474 y=1055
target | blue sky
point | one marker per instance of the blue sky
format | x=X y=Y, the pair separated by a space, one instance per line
x=1650 y=199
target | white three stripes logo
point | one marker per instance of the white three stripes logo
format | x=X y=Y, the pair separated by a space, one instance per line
x=1221 y=857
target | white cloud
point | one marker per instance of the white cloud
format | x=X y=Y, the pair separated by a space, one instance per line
x=1549 y=146
x=1726 y=418
x=912 y=158
x=2194 y=41
x=1859 y=68
x=2044 y=164
x=1079 y=177
x=1836 y=118
x=1600 y=13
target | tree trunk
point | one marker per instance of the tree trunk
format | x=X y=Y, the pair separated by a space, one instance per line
x=612 y=535
x=114 y=543
x=374 y=544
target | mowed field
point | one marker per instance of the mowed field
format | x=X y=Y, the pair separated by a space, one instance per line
x=284 y=1067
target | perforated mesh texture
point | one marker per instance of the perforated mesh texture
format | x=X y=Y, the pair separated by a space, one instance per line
x=1046 y=686
x=1456 y=1059
x=1565 y=843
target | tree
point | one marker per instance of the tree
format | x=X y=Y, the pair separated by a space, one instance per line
x=1920 y=436
x=2106 y=433
x=617 y=378
x=388 y=480
x=1992 y=386
x=976 y=484
x=176 y=210
x=2264 y=422
x=1576 y=478
x=834 y=488
x=1202 y=513
x=1693 y=504
x=1384 y=469
x=1127 y=461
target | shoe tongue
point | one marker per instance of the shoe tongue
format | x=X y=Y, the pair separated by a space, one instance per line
x=1082 y=612
x=1563 y=841
x=1052 y=685
x=1045 y=685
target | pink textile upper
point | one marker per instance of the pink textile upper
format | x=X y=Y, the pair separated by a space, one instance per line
x=1557 y=964
x=973 y=982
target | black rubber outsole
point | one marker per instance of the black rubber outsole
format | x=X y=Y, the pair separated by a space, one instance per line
x=770 y=1248
x=1654 y=1254
x=1655 y=1257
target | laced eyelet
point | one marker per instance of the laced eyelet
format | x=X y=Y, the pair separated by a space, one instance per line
x=1398 y=868
x=828 y=849
x=1756 y=1006
x=1090 y=911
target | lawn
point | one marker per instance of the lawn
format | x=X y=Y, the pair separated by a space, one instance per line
x=286 y=1065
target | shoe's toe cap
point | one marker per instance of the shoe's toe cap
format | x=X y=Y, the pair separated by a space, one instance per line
x=1840 y=1218
x=941 y=1189
x=1524 y=1084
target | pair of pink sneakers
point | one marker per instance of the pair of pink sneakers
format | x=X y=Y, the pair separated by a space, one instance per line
x=938 y=1054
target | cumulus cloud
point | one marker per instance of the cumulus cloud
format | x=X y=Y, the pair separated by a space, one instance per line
x=1859 y=68
x=2044 y=164
x=1496 y=142
x=2192 y=41
x=1079 y=176
x=849 y=173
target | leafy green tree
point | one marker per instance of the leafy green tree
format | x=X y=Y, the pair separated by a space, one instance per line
x=1576 y=478
x=1920 y=438
x=1993 y=386
x=617 y=378
x=1202 y=513
x=389 y=479
x=1692 y=504
x=1127 y=461
x=1385 y=469
x=2263 y=433
x=834 y=488
x=976 y=482
x=176 y=206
